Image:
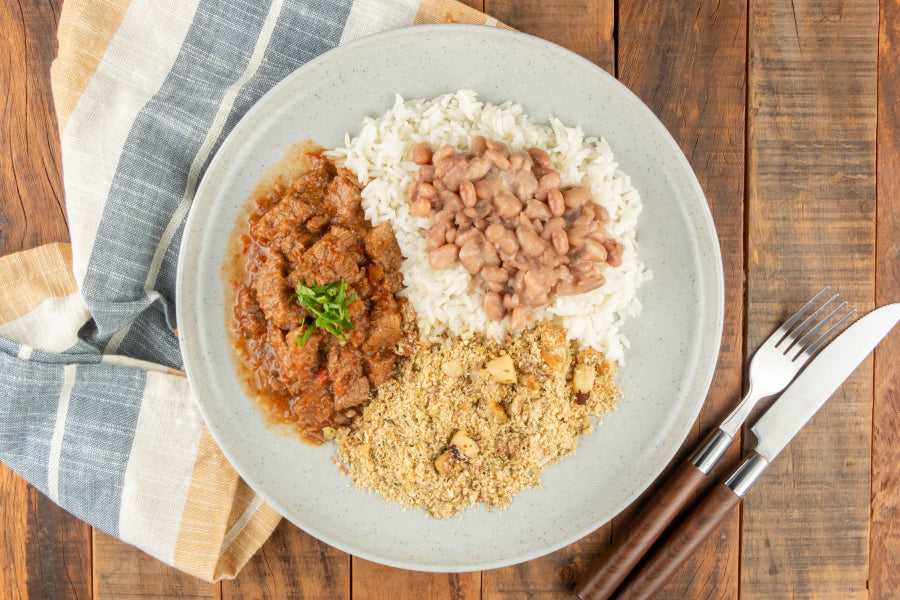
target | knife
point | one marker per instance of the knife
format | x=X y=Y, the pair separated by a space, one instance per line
x=780 y=423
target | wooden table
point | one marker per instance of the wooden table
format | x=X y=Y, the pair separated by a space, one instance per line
x=789 y=112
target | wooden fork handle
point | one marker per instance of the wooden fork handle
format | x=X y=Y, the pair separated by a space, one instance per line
x=684 y=541
x=611 y=569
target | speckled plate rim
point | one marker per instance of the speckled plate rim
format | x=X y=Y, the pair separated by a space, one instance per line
x=613 y=465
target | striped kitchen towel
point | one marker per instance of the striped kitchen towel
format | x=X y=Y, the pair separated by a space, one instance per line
x=94 y=409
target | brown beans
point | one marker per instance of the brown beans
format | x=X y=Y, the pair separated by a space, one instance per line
x=498 y=159
x=538 y=210
x=580 y=286
x=478 y=168
x=560 y=241
x=427 y=191
x=493 y=306
x=540 y=157
x=426 y=173
x=486 y=188
x=498 y=147
x=614 y=252
x=467 y=193
x=592 y=251
x=520 y=317
x=451 y=171
x=502 y=238
x=443 y=257
x=420 y=207
x=508 y=206
x=504 y=217
x=581 y=217
x=494 y=273
x=470 y=256
x=510 y=301
x=530 y=242
x=525 y=184
x=445 y=151
x=470 y=234
x=422 y=154
x=478 y=144
x=576 y=196
x=601 y=214
x=550 y=181
x=556 y=203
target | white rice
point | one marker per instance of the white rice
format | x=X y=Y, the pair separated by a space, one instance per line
x=447 y=301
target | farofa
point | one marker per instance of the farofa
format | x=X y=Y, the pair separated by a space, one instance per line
x=445 y=434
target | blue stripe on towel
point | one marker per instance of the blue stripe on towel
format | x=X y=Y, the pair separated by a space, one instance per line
x=29 y=395
x=99 y=431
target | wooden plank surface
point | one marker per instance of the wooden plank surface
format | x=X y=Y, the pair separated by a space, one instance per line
x=292 y=564
x=811 y=179
x=884 y=577
x=809 y=217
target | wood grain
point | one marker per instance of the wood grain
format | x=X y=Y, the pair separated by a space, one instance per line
x=13 y=534
x=811 y=215
x=292 y=563
x=372 y=581
x=122 y=572
x=586 y=28
x=32 y=212
x=669 y=55
x=884 y=556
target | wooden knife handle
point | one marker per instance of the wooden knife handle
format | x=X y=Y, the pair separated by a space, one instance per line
x=666 y=560
x=613 y=567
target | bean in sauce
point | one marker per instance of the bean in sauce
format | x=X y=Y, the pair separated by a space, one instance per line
x=510 y=222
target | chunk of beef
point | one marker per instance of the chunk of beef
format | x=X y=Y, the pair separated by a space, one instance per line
x=247 y=313
x=274 y=291
x=379 y=367
x=346 y=198
x=359 y=318
x=350 y=386
x=294 y=244
x=382 y=248
x=282 y=219
x=298 y=363
x=384 y=326
x=388 y=282
x=336 y=255
x=312 y=407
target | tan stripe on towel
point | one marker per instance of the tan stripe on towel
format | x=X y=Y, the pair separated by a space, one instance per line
x=444 y=11
x=86 y=28
x=30 y=277
x=216 y=500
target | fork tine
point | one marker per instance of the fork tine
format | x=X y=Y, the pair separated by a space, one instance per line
x=800 y=344
x=808 y=321
x=807 y=352
x=783 y=331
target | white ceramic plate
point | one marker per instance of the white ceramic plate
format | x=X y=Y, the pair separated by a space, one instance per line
x=674 y=343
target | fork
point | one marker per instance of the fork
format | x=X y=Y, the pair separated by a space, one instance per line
x=775 y=364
